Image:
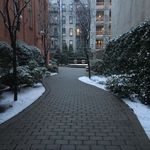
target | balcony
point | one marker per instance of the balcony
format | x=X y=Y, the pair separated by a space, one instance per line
x=99 y=46
x=99 y=18
x=100 y=32
x=99 y=3
x=98 y=7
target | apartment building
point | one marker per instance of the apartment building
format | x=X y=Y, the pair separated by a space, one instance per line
x=33 y=19
x=103 y=23
x=54 y=26
x=68 y=23
x=127 y=14
x=100 y=31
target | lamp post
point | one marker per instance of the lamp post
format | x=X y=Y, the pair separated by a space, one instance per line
x=43 y=34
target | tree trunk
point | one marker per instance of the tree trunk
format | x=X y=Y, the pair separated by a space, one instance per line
x=15 y=88
x=87 y=58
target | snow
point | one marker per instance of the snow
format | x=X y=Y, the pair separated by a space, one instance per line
x=142 y=111
x=53 y=74
x=98 y=81
x=26 y=97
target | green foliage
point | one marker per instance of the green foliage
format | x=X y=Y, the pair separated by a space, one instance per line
x=130 y=54
x=30 y=68
x=5 y=58
x=27 y=53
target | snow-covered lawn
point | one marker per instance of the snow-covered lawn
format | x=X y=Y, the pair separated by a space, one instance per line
x=142 y=111
x=26 y=97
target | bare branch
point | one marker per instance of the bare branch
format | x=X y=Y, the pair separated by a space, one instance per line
x=21 y=10
x=8 y=16
x=4 y=19
x=18 y=10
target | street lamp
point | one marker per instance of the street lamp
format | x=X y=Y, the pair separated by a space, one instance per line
x=43 y=34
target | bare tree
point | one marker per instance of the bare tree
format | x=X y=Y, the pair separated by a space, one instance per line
x=83 y=12
x=11 y=15
x=45 y=35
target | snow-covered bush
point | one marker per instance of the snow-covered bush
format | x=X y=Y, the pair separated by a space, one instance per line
x=98 y=67
x=130 y=54
x=121 y=85
x=24 y=53
x=30 y=64
x=5 y=58
x=24 y=75
x=37 y=55
x=28 y=53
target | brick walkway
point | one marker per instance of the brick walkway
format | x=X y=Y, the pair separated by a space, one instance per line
x=74 y=116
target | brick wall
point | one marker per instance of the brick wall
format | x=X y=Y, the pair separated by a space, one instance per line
x=33 y=19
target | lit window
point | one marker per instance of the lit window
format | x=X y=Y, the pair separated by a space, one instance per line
x=78 y=31
x=71 y=31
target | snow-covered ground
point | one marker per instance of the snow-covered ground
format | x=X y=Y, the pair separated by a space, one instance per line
x=142 y=111
x=98 y=81
x=26 y=97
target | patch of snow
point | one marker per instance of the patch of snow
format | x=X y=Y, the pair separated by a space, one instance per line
x=142 y=111
x=26 y=97
x=98 y=81
x=53 y=74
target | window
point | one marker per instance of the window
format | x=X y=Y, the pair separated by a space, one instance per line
x=71 y=19
x=63 y=31
x=64 y=42
x=71 y=31
x=55 y=31
x=55 y=43
x=63 y=7
x=77 y=31
x=71 y=45
x=100 y=16
x=99 y=44
x=63 y=20
x=100 y=30
x=70 y=42
x=71 y=7
x=110 y=15
x=100 y=2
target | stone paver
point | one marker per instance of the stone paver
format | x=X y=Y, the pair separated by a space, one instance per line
x=74 y=116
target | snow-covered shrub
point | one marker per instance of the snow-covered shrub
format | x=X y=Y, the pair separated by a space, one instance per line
x=24 y=75
x=130 y=54
x=24 y=53
x=98 y=67
x=121 y=85
x=30 y=64
x=37 y=55
x=28 y=53
x=5 y=58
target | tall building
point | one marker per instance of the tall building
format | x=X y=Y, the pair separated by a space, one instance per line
x=103 y=23
x=127 y=14
x=33 y=19
x=68 y=23
x=100 y=31
x=54 y=26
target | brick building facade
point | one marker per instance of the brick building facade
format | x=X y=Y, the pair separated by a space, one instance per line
x=33 y=20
